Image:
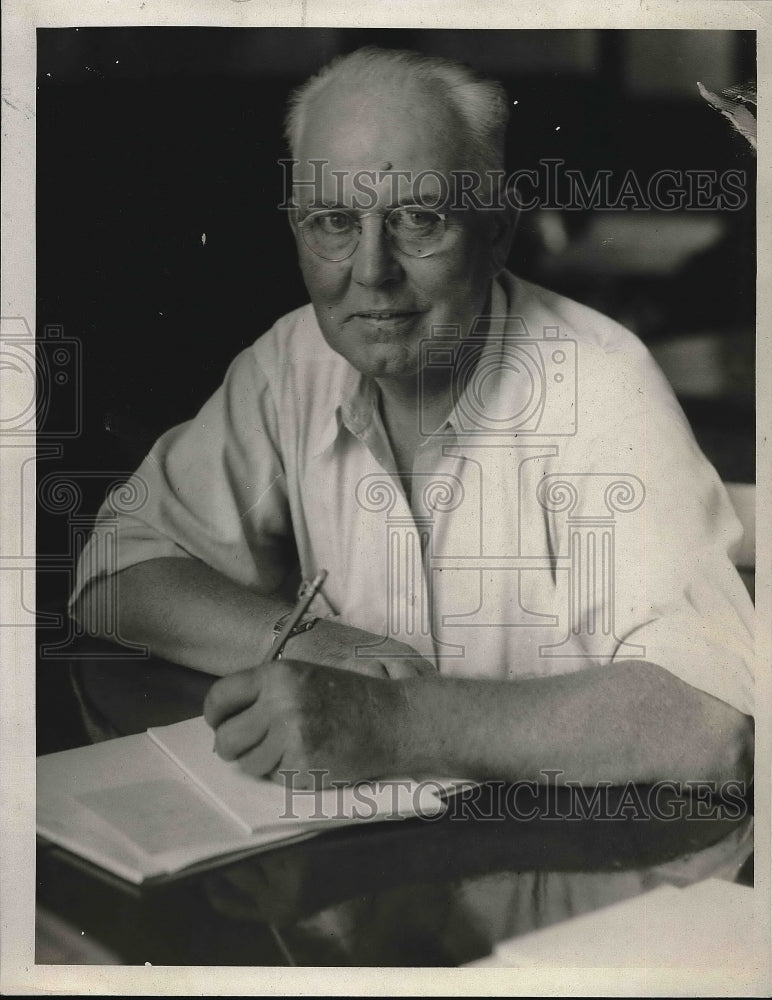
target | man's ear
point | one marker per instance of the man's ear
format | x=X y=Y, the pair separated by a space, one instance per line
x=503 y=224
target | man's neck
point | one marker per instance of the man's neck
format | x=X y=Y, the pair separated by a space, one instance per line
x=414 y=409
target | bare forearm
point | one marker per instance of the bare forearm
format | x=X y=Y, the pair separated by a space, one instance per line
x=631 y=722
x=186 y=612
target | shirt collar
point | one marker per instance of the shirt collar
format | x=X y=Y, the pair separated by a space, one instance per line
x=353 y=408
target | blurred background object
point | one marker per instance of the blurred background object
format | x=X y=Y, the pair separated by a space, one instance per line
x=160 y=247
x=738 y=105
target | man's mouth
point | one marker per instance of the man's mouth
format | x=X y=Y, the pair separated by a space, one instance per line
x=385 y=314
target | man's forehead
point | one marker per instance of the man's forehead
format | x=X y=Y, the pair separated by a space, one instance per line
x=407 y=126
x=399 y=144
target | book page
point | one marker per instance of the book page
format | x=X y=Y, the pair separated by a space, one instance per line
x=258 y=804
x=160 y=816
x=65 y=822
x=124 y=805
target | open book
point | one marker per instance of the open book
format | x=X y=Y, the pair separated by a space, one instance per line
x=154 y=804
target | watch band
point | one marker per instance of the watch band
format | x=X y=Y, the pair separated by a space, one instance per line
x=306 y=622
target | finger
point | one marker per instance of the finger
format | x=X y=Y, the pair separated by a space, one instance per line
x=261 y=760
x=231 y=694
x=241 y=732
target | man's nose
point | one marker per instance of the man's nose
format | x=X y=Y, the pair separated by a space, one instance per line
x=374 y=261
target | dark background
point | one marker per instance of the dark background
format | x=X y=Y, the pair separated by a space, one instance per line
x=148 y=138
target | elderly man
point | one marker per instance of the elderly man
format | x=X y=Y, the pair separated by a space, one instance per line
x=510 y=590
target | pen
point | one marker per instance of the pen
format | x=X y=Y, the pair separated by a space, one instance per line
x=307 y=594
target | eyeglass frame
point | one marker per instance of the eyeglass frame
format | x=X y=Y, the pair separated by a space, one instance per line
x=357 y=217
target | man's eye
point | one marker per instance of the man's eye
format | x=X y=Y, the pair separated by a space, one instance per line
x=333 y=223
x=416 y=220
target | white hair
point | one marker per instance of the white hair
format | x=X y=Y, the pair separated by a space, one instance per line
x=480 y=104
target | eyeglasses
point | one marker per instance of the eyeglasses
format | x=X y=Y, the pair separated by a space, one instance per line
x=334 y=234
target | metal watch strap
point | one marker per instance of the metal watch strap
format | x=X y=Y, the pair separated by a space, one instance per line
x=306 y=622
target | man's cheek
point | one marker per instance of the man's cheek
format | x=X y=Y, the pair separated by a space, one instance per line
x=324 y=280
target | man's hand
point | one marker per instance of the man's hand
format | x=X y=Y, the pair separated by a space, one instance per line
x=334 y=644
x=288 y=715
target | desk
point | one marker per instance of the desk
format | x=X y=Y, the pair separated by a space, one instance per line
x=406 y=893
x=411 y=892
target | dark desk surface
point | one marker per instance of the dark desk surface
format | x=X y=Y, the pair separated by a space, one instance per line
x=413 y=893
x=405 y=893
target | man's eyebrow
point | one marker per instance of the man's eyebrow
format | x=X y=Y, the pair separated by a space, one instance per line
x=414 y=198
x=333 y=205
x=316 y=205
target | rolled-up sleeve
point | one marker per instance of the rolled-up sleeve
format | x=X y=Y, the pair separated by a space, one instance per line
x=211 y=489
x=677 y=597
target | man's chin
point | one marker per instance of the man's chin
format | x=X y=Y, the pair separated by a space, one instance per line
x=381 y=358
x=388 y=364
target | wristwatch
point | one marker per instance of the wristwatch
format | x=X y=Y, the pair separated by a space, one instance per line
x=306 y=622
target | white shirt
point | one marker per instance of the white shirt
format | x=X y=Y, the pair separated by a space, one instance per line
x=534 y=563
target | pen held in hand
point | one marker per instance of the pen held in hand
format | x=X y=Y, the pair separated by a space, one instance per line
x=307 y=595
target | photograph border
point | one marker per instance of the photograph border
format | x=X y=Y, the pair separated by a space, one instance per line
x=17 y=674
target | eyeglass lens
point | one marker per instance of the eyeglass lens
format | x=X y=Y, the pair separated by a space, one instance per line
x=334 y=234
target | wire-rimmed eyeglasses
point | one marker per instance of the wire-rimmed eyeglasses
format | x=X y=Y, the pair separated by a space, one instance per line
x=334 y=233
